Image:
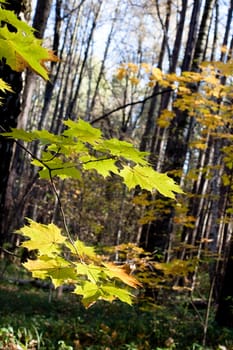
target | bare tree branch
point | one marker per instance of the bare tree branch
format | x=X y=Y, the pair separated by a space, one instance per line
x=129 y=104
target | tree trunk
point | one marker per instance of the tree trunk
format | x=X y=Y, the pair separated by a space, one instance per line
x=150 y=121
x=224 y=315
x=9 y=111
x=39 y=24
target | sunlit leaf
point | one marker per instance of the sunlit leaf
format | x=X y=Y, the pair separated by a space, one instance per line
x=115 y=271
x=56 y=167
x=149 y=179
x=111 y=293
x=89 y=291
x=123 y=149
x=83 y=131
x=17 y=48
x=4 y=86
x=92 y=272
x=20 y=134
x=58 y=269
x=103 y=167
x=44 y=238
x=79 y=248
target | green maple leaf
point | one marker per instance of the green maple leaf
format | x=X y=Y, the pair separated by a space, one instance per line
x=44 y=238
x=68 y=146
x=111 y=292
x=56 y=167
x=68 y=172
x=149 y=179
x=58 y=269
x=80 y=249
x=7 y=16
x=92 y=272
x=47 y=137
x=103 y=167
x=83 y=131
x=23 y=50
x=123 y=149
x=20 y=134
x=89 y=291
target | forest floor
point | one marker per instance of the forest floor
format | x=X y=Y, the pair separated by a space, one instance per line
x=37 y=319
x=33 y=317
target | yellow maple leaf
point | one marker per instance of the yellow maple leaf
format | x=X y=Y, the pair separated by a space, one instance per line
x=121 y=73
x=146 y=67
x=4 y=86
x=134 y=81
x=132 y=67
x=114 y=271
x=156 y=74
x=44 y=238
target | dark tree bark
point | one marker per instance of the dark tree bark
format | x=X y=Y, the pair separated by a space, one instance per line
x=224 y=54
x=203 y=34
x=13 y=210
x=224 y=315
x=9 y=112
x=179 y=129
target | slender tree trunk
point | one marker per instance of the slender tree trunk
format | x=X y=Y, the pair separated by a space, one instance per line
x=150 y=121
x=224 y=53
x=203 y=34
x=73 y=101
x=39 y=24
x=192 y=37
x=224 y=315
x=50 y=84
x=101 y=71
x=159 y=139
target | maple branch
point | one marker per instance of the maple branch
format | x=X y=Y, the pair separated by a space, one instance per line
x=54 y=189
x=99 y=159
x=60 y=207
x=33 y=156
x=129 y=104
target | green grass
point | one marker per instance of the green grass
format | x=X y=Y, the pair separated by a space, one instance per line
x=28 y=314
x=66 y=319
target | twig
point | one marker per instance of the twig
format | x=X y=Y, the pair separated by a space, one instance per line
x=129 y=104
x=33 y=156
x=61 y=208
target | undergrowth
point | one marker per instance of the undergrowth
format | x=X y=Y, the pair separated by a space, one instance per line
x=36 y=319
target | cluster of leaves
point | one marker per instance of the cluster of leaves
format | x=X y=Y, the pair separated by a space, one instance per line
x=82 y=148
x=71 y=262
x=155 y=275
x=17 y=46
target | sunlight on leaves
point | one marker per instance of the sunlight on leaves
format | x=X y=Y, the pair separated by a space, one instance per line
x=45 y=238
